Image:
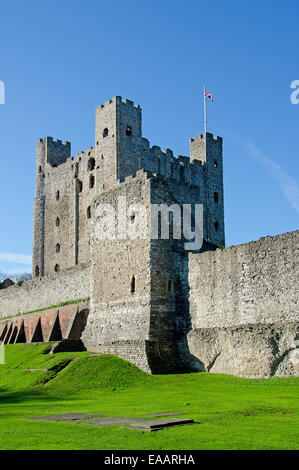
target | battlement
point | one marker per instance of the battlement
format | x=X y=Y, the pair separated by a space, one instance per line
x=135 y=153
x=138 y=175
x=50 y=141
x=207 y=136
x=207 y=147
x=54 y=152
x=119 y=100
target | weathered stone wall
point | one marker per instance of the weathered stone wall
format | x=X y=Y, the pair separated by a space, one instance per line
x=46 y=232
x=70 y=284
x=243 y=309
x=253 y=350
x=118 y=312
x=252 y=283
x=122 y=321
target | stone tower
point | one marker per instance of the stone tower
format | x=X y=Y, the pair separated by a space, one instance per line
x=66 y=186
x=49 y=155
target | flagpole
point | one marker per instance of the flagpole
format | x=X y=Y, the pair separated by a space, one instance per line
x=205 y=109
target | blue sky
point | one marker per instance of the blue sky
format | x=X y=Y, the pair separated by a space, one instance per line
x=59 y=59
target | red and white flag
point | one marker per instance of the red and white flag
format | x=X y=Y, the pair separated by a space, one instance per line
x=208 y=95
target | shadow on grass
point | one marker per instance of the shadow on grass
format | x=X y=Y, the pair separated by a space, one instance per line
x=22 y=396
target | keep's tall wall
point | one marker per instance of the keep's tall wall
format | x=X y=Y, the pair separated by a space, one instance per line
x=251 y=283
x=70 y=284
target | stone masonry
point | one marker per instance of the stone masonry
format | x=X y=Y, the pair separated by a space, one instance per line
x=151 y=301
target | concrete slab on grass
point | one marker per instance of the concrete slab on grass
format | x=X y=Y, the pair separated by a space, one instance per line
x=111 y=422
x=102 y=418
x=66 y=417
x=159 y=424
x=160 y=415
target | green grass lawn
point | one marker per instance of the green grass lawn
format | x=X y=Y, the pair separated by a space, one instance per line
x=233 y=413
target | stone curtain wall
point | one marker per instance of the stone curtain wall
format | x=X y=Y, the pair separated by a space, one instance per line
x=253 y=351
x=251 y=283
x=243 y=309
x=70 y=284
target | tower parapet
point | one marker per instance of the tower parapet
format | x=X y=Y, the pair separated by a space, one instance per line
x=56 y=151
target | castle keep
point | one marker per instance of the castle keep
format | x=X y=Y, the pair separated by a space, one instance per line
x=151 y=301
x=67 y=187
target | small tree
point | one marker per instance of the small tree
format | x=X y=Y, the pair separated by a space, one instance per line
x=25 y=276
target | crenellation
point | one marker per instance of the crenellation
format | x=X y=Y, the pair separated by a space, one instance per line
x=128 y=179
x=141 y=175
x=146 y=143
x=202 y=136
x=129 y=102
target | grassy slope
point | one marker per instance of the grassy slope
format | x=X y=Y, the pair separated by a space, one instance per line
x=234 y=413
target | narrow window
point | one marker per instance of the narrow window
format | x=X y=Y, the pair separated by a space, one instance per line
x=182 y=172
x=91 y=164
x=91 y=181
x=57 y=248
x=57 y=268
x=88 y=212
x=57 y=222
x=132 y=217
x=57 y=196
x=39 y=169
x=129 y=131
x=169 y=285
x=36 y=271
x=79 y=186
x=105 y=132
x=132 y=285
x=216 y=225
x=216 y=197
x=215 y=164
